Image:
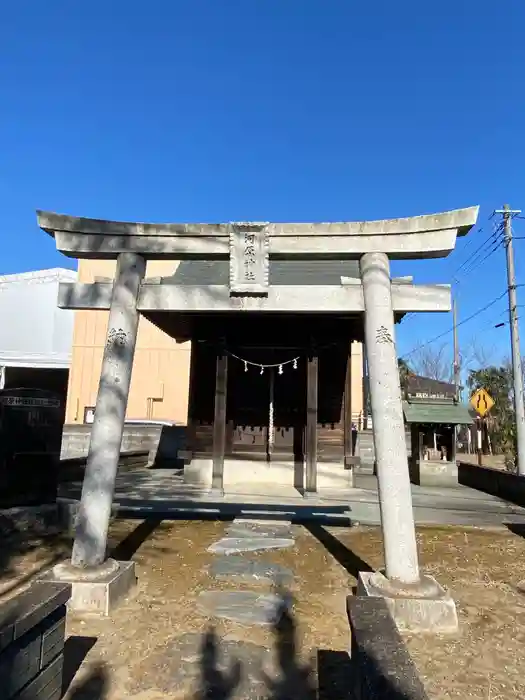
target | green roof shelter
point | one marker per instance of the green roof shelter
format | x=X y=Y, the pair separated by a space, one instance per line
x=433 y=424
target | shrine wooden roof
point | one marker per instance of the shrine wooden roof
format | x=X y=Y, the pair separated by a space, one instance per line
x=281 y=272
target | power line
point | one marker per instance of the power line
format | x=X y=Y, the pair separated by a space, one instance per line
x=491 y=326
x=465 y=320
x=472 y=262
x=493 y=243
x=469 y=258
x=472 y=240
x=475 y=261
x=518 y=238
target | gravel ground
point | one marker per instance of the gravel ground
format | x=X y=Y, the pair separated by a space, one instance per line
x=159 y=644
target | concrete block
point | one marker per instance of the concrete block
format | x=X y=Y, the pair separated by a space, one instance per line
x=382 y=667
x=239 y=472
x=422 y=607
x=199 y=472
x=434 y=473
x=32 y=634
x=47 y=685
x=98 y=594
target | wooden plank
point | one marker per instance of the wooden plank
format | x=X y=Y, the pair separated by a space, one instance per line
x=312 y=371
x=219 y=422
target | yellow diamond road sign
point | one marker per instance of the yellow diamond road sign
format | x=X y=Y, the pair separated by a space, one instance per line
x=482 y=401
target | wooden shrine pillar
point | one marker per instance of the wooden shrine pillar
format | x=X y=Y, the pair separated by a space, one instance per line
x=219 y=421
x=312 y=372
x=191 y=426
x=347 y=417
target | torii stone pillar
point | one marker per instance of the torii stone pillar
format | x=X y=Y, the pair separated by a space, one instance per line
x=89 y=561
x=417 y=602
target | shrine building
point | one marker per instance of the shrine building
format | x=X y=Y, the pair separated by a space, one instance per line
x=273 y=312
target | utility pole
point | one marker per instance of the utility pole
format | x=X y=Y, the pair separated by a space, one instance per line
x=457 y=368
x=519 y=408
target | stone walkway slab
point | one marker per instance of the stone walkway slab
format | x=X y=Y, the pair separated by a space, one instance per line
x=237 y=545
x=248 y=570
x=260 y=528
x=246 y=607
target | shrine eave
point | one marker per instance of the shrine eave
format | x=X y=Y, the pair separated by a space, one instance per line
x=432 y=235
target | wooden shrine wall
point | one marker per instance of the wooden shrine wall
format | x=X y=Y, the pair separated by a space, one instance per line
x=248 y=400
x=330 y=409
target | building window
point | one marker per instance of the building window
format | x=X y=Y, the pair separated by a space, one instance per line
x=89 y=414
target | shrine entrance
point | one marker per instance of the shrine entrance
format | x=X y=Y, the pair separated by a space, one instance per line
x=266 y=404
x=270 y=400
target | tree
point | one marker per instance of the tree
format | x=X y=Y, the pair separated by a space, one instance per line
x=501 y=420
x=433 y=363
x=437 y=362
x=404 y=374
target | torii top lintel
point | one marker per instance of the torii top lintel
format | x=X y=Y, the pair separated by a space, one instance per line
x=427 y=236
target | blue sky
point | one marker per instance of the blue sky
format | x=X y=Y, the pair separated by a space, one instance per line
x=269 y=110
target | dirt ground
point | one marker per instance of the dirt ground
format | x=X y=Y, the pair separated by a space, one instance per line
x=144 y=651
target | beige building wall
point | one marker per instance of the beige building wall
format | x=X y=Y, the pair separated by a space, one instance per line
x=161 y=369
x=160 y=379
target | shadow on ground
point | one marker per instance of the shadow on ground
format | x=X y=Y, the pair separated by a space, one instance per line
x=75 y=651
x=327 y=675
x=129 y=546
x=45 y=550
x=94 y=687
x=348 y=559
x=517 y=529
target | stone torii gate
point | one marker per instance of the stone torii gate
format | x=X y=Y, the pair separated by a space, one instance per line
x=416 y=601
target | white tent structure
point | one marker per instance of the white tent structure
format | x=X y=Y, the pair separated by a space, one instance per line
x=34 y=332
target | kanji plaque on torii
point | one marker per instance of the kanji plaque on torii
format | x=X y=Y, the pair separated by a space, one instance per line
x=482 y=401
x=249 y=259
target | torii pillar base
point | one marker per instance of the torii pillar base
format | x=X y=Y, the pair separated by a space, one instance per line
x=421 y=607
x=97 y=590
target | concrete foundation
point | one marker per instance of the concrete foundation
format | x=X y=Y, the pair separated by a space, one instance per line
x=434 y=473
x=245 y=472
x=421 y=607
x=96 y=591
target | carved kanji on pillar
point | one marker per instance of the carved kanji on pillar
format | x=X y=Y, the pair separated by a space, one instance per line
x=249 y=259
